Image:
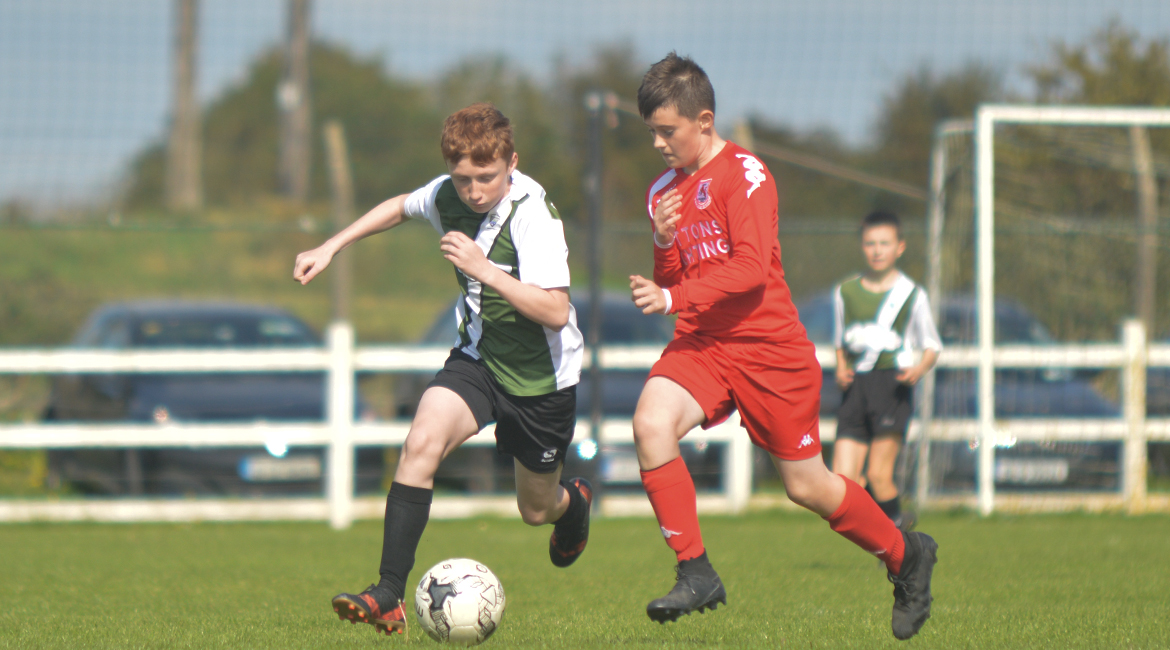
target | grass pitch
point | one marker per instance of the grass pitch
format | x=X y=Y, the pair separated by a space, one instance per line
x=1068 y=581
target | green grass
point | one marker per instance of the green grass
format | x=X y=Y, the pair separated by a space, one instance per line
x=1068 y=581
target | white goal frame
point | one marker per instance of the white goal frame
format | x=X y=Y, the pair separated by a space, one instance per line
x=987 y=117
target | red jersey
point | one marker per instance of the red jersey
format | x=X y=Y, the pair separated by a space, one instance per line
x=723 y=270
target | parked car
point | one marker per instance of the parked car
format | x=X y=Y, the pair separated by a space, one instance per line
x=1019 y=393
x=194 y=397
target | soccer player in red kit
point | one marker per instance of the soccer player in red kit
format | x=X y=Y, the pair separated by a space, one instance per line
x=738 y=346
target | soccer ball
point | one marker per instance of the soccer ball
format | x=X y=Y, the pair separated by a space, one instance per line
x=459 y=602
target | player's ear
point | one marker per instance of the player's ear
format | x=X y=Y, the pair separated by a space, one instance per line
x=706 y=119
x=512 y=163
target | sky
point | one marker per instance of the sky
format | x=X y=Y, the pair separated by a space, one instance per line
x=84 y=84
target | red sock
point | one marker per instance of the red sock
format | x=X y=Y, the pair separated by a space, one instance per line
x=860 y=520
x=672 y=493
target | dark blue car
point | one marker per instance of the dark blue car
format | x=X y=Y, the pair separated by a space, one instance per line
x=1028 y=392
x=194 y=397
x=1019 y=393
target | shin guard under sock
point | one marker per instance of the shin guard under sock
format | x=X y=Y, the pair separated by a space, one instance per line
x=861 y=521
x=407 y=511
x=672 y=494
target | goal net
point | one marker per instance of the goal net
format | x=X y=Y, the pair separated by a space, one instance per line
x=1054 y=216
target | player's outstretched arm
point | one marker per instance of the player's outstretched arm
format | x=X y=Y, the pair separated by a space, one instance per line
x=384 y=216
x=548 y=307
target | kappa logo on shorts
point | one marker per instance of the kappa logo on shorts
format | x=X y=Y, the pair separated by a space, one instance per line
x=549 y=456
x=805 y=441
x=668 y=533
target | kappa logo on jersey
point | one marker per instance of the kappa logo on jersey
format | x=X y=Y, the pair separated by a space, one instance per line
x=549 y=456
x=805 y=441
x=668 y=533
x=703 y=195
x=754 y=173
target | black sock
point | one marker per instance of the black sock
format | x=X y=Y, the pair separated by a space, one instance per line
x=407 y=511
x=576 y=504
x=892 y=508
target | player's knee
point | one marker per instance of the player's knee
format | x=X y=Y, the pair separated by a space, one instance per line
x=422 y=447
x=879 y=480
x=650 y=427
x=801 y=493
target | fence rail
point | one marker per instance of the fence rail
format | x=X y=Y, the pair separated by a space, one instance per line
x=339 y=433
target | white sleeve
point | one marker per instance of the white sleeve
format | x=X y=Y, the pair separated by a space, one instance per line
x=921 y=331
x=838 y=318
x=540 y=246
x=420 y=204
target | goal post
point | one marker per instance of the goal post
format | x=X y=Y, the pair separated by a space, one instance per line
x=987 y=119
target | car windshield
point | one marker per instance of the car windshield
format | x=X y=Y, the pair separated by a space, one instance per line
x=232 y=330
x=625 y=324
x=958 y=326
x=621 y=324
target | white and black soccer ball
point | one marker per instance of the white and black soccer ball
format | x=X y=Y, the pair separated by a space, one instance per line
x=460 y=602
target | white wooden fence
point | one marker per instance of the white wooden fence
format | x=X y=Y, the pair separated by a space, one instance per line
x=339 y=433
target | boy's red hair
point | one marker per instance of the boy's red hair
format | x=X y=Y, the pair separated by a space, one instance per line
x=480 y=132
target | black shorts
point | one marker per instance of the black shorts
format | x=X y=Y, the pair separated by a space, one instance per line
x=876 y=403
x=534 y=430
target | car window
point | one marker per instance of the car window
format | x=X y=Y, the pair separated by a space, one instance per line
x=817 y=318
x=957 y=324
x=958 y=327
x=91 y=333
x=622 y=324
x=625 y=324
x=220 y=331
x=115 y=334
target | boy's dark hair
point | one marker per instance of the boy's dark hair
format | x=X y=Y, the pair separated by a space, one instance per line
x=480 y=132
x=881 y=218
x=679 y=82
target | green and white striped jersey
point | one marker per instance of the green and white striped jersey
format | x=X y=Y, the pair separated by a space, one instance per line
x=524 y=237
x=880 y=331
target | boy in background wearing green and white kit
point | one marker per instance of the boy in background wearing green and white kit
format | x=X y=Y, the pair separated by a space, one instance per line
x=882 y=320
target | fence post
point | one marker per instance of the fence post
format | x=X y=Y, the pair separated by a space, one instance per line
x=1133 y=481
x=339 y=412
x=737 y=468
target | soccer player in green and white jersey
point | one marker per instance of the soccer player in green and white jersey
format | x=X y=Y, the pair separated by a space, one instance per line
x=517 y=361
x=882 y=320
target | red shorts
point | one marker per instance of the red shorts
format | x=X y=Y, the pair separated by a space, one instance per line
x=776 y=387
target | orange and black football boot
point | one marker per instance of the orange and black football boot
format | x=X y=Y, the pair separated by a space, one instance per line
x=569 y=537
x=364 y=608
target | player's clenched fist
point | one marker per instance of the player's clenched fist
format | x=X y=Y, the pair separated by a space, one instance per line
x=647 y=295
x=666 y=216
x=310 y=263
x=466 y=255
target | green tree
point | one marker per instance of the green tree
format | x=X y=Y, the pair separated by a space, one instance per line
x=1112 y=67
x=630 y=161
x=392 y=129
x=905 y=127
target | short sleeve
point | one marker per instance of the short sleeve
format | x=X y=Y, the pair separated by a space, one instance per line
x=540 y=247
x=420 y=204
x=921 y=328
